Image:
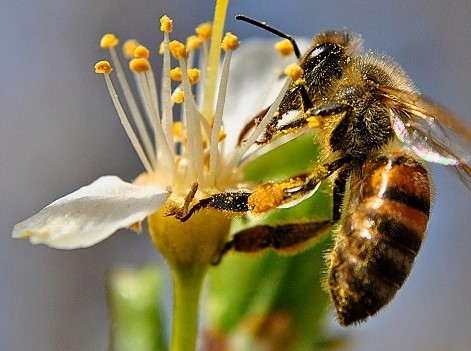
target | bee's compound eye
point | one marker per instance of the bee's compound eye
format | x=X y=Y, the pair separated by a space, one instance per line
x=319 y=51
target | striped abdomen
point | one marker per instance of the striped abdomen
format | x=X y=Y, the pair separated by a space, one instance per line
x=381 y=232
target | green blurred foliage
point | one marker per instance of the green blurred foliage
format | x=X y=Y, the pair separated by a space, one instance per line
x=136 y=316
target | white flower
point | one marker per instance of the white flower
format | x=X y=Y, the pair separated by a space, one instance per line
x=200 y=148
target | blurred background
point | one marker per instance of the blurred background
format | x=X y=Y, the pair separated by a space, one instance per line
x=59 y=131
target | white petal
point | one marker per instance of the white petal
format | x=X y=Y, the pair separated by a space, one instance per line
x=91 y=214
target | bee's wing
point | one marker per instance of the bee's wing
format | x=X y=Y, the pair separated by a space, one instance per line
x=430 y=131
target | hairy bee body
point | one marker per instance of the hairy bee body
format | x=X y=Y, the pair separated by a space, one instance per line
x=373 y=127
x=380 y=235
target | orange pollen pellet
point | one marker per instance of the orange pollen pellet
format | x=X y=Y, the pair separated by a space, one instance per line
x=266 y=197
x=315 y=122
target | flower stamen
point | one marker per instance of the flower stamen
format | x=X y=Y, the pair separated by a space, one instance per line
x=100 y=68
x=129 y=47
x=229 y=43
x=141 y=68
x=167 y=112
x=109 y=41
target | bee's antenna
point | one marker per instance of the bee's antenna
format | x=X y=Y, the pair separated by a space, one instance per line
x=269 y=28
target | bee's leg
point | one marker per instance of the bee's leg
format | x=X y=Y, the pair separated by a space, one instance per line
x=235 y=202
x=251 y=125
x=267 y=196
x=338 y=194
x=272 y=128
x=313 y=117
x=271 y=195
x=287 y=238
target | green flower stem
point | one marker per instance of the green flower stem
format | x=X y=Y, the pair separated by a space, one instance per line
x=187 y=283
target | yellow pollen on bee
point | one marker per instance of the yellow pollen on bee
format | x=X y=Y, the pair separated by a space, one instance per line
x=230 y=42
x=141 y=52
x=178 y=49
x=193 y=42
x=178 y=97
x=166 y=24
x=128 y=48
x=139 y=65
x=294 y=71
x=266 y=197
x=284 y=47
x=108 y=41
x=204 y=31
x=315 y=122
x=176 y=74
x=103 y=67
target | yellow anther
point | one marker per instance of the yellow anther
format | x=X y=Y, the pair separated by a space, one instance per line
x=178 y=50
x=193 y=75
x=222 y=135
x=176 y=74
x=166 y=24
x=108 y=41
x=230 y=42
x=315 y=122
x=141 y=52
x=178 y=97
x=128 y=48
x=294 y=71
x=177 y=129
x=192 y=42
x=284 y=47
x=204 y=31
x=139 y=65
x=103 y=67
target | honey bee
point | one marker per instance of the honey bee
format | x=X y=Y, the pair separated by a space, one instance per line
x=376 y=131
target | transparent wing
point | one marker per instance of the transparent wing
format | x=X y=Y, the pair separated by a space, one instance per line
x=430 y=131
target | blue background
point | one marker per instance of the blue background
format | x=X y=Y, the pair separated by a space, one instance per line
x=58 y=131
